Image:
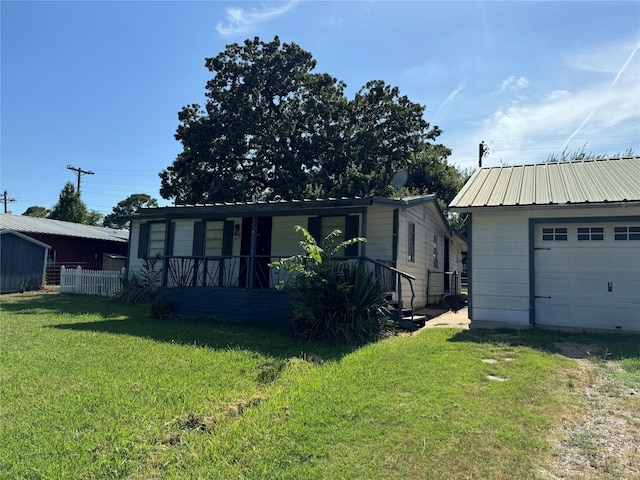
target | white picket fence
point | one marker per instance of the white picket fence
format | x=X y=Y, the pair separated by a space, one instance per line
x=104 y=283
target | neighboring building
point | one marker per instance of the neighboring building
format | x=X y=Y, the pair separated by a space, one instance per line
x=215 y=258
x=72 y=244
x=555 y=243
x=22 y=262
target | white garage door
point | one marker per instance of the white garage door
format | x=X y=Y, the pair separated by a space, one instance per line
x=588 y=275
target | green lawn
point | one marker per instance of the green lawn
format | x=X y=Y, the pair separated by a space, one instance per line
x=90 y=388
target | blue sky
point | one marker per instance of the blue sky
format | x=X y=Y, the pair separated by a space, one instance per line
x=98 y=85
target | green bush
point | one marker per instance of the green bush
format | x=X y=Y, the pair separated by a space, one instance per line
x=332 y=299
x=141 y=289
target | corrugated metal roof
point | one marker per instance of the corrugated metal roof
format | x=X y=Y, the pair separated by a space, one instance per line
x=277 y=205
x=610 y=180
x=25 y=224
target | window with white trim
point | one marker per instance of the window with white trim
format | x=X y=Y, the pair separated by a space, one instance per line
x=626 y=233
x=435 y=252
x=156 y=239
x=213 y=234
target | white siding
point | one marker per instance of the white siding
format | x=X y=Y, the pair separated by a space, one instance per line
x=286 y=241
x=380 y=234
x=134 y=263
x=428 y=224
x=500 y=266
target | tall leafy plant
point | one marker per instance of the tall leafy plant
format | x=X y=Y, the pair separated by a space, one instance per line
x=332 y=299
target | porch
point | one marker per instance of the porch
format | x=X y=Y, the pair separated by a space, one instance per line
x=243 y=287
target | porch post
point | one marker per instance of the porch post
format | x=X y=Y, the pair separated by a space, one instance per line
x=251 y=264
x=363 y=233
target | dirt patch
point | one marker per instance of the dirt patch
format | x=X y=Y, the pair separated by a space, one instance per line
x=577 y=350
x=600 y=439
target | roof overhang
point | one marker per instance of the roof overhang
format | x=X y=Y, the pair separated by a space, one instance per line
x=25 y=237
x=278 y=207
x=564 y=206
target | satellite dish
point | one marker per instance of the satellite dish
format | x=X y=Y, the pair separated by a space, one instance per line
x=399 y=179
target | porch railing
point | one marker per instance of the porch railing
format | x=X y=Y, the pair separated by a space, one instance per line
x=242 y=271
x=254 y=272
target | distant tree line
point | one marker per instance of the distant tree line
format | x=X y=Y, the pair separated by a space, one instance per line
x=70 y=208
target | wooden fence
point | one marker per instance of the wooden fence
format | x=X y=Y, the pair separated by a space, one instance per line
x=104 y=283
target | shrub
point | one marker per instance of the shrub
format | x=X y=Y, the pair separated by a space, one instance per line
x=332 y=299
x=141 y=289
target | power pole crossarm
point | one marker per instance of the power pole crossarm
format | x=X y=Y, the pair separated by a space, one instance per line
x=6 y=200
x=80 y=172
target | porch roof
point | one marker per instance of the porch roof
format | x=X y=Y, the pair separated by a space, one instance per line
x=279 y=207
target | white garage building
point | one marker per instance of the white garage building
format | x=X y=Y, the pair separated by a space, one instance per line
x=555 y=244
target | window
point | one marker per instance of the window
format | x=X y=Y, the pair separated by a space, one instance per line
x=590 y=233
x=626 y=233
x=411 y=242
x=213 y=234
x=156 y=239
x=554 y=233
x=435 y=252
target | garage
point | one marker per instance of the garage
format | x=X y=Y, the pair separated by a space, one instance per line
x=554 y=244
x=587 y=274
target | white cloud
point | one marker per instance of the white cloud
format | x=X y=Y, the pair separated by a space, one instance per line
x=556 y=94
x=586 y=108
x=332 y=23
x=240 y=21
x=451 y=96
x=513 y=83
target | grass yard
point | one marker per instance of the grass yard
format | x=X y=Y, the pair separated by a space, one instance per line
x=90 y=388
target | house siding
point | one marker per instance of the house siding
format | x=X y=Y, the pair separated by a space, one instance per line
x=380 y=234
x=381 y=245
x=427 y=224
x=286 y=241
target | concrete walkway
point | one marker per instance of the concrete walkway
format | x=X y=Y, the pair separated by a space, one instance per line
x=450 y=319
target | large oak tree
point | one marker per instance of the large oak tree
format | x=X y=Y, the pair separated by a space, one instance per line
x=272 y=127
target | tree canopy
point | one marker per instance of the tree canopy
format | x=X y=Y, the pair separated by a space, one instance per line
x=36 y=211
x=69 y=207
x=126 y=207
x=272 y=127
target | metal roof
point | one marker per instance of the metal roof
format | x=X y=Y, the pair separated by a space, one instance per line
x=612 y=180
x=26 y=224
x=283 y=207
x=275 y=206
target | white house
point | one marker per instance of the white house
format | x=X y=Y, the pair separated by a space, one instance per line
x=555 y=243
x=215 y=258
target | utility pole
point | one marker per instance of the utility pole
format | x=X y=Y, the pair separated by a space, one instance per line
x=80 y=172
x=483 y=151
x=6 y=200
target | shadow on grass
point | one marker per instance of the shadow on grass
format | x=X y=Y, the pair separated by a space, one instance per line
x=124 y=319
x=578 y=344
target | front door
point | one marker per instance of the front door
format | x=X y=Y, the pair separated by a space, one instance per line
x=259 y=269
